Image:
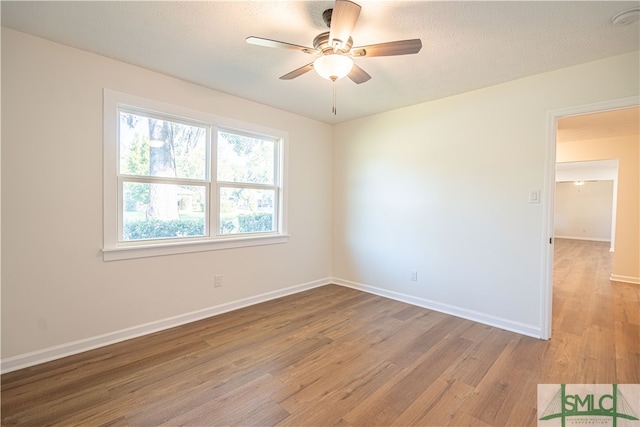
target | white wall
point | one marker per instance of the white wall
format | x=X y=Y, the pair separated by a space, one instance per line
x=443 y=188
x=56 y=288
x=584 y=212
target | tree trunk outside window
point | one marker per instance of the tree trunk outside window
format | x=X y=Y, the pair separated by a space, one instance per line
x=163 y=199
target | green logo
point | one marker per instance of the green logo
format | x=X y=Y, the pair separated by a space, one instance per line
x=588 y=404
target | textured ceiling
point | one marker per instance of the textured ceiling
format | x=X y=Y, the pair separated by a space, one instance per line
x=607 y=124
x=466 y=45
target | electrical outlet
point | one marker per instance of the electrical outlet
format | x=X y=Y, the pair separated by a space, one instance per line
x=414 y=275
x=217 y=281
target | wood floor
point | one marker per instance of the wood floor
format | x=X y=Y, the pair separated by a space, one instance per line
x=337 y=356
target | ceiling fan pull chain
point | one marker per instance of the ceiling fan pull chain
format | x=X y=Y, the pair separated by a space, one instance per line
x=333 y=109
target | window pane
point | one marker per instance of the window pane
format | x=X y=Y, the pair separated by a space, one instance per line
x=246 y=210
x=161 y=211
x=162 y=148
x=245 y=159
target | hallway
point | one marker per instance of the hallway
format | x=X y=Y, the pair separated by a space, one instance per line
x=596 y=322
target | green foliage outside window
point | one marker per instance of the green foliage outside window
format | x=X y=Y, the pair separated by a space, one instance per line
x=158 y=229
x=255 y=223
x=144 y=229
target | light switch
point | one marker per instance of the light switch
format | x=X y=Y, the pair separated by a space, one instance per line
x=534 y=196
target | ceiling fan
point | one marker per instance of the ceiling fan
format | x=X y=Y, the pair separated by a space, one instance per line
x=334 y=49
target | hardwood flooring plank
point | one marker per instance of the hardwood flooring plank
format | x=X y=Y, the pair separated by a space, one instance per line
x=391 y=400
x=329 y=408
x=492 y=396
x=626 y=300
x=235 y=407
x=437 y=405
x=477 y=332
x=411 y=311
x=475 y=363
x=165 y=407
x=627 y=342
x=132 y=397
x=433 y=334
x=463 y=419
x=93 y=375
x=496 y=395
x=598 y=358
x=522 y=415
x=54 y=412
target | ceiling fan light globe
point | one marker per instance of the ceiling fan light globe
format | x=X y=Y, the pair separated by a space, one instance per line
x=333 y=66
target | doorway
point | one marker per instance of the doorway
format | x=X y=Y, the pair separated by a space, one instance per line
x=554 y=155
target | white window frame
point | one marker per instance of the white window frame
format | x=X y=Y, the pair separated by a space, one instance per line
x=113 y=249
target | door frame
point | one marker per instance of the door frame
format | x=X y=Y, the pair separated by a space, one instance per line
x=546 y=301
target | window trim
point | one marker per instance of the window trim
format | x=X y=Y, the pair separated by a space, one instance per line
x=114 y=250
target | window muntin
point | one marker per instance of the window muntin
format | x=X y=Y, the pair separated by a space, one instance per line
x=242 y=184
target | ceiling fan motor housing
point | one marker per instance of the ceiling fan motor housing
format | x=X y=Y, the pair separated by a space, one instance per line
x=321 y=43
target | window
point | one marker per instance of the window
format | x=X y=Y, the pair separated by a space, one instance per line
x=177 y=180
x=247 y=176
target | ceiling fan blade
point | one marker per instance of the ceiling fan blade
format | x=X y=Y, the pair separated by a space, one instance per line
x=343 y=21
x=400 y=47
x=298 y=72
x=259 y=41
x=358 y=75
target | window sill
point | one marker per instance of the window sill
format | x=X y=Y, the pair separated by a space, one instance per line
x=129 y=252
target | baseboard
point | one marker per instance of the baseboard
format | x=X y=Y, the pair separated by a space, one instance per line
x=588 y=239
x=509 y=325
x=57 y=352
x=625 y=279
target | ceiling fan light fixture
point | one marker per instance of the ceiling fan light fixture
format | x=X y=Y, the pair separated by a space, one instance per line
x=333 y=66
x=626 y=17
